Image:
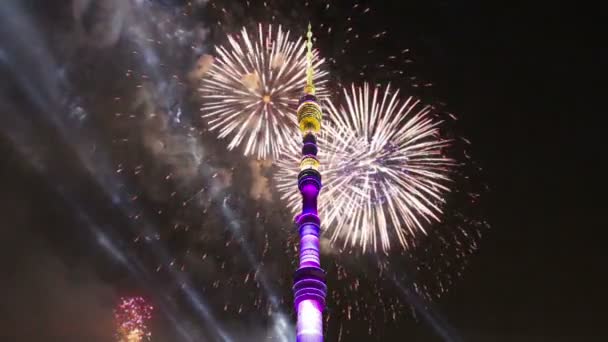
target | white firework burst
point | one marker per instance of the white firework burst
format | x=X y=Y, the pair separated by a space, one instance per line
x=251 y=91
x=384 y=171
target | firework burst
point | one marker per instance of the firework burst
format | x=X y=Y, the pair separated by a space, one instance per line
x=161 y=163
x=384 y=168
x=131 y=316
x=251 y=91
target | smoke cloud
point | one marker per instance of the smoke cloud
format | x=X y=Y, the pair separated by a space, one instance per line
x=260 y=186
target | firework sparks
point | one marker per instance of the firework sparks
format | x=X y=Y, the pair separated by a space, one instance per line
x=385 y=173
x=131 y=316
x=187 y=202
x=251 y=91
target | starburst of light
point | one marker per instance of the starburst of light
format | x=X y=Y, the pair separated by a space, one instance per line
x=251 y=91
x=164 y=182
x=385 y=173
x=131 y=316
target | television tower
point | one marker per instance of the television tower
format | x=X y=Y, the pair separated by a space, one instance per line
x=309 y=280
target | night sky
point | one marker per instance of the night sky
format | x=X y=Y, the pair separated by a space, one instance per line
x=77 y=234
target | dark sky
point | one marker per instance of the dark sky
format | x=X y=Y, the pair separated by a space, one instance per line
x=523 y=80
x=526 y=79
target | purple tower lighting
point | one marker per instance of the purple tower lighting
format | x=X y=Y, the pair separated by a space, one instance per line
x=309 y=280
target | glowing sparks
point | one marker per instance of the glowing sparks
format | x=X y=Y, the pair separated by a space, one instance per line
x=231 y=81
x=131 y=317
x=384 y=171
x=251 y=91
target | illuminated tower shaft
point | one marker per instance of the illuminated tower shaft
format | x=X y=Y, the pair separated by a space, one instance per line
x=309 y=280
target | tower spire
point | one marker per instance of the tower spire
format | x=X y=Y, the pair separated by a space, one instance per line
x=310 y=87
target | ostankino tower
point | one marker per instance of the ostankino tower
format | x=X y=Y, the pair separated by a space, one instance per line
x=309 y=280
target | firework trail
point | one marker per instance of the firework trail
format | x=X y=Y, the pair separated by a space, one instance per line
x=385 y=172
x=251 y=91
x=131 y=317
